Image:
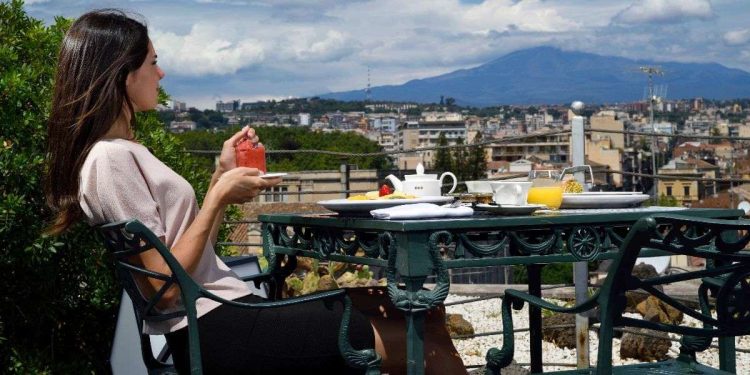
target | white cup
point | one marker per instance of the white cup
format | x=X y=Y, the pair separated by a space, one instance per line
x=478 y=186
x=510 y=192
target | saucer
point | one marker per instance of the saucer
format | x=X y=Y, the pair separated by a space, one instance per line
x=510 y=209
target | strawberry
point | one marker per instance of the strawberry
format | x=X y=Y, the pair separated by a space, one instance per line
x=384 y=190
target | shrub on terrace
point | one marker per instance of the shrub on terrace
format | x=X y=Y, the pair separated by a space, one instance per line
x=59 y=296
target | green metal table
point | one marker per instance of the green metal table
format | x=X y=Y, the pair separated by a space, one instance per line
x=412 y=250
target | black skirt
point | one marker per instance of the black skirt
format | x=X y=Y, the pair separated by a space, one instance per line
x=289 y=339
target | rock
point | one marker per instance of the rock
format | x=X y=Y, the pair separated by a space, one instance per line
x=512 y=369
x=310 y=283
x=457 y=325
x=655 y=310
x=327 y=282
x=561 y=337
x=346 y=279
x=645 y=348
x=641 y=271
x=292 y=286
x=304 y=265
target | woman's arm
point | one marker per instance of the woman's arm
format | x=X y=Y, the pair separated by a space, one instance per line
x=219 y=218
x=233 y=187
x=229 y=185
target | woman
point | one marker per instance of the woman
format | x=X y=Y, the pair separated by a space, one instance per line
x=107 y=71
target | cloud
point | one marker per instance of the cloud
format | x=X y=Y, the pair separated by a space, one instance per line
x=309 y=45
x=276 y=48
x=737 y=37
x=207 y=49
x=664 y=11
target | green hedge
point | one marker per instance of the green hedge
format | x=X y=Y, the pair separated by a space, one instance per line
x=59 y=298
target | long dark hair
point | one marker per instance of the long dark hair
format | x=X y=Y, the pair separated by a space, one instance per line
x=97 y=53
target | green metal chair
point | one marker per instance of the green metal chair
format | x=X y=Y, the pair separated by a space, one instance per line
x=721 y=242
x=128 y=238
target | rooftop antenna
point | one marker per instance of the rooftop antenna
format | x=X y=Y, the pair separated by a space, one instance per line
x=368 y=92
x=651 y=71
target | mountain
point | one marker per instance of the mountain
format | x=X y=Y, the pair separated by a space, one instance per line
x=547 y=75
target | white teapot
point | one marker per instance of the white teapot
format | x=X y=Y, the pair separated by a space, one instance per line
x=421 y=184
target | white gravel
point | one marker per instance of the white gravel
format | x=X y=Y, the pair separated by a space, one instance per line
x=485 y=316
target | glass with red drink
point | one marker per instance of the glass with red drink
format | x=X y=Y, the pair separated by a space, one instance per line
x=251 y=155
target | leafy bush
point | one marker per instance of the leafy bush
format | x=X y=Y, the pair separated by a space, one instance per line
x=555 y=273
x=59 y=298
x=278 y=138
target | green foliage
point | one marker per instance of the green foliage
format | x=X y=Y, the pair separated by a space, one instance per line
x=280 y=138
x=555 y=273
x=443 y=162
x=59 y=298
x=668 y=201
x=315 y=106
x=207 y=119
x=460 y=161
x=477 y=168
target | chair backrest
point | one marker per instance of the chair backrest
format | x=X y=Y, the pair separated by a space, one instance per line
x=126 y=239
x=720 y=242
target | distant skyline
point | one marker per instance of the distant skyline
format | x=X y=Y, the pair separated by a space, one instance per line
x=264 y=49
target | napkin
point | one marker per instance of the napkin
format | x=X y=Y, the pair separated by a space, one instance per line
x=420 y=211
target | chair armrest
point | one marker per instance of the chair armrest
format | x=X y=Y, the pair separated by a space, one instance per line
x=327 y=295
x=538 y=302
x=258 y=277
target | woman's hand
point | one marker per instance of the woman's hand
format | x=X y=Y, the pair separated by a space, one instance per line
x=227 y=159
x=241 y=184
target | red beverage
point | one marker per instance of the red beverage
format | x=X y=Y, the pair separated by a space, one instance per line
x=251 y=155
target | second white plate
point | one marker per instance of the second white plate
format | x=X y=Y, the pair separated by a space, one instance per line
x=602 y=200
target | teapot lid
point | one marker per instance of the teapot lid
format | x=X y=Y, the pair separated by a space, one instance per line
x=420 y=175
x=420 y=168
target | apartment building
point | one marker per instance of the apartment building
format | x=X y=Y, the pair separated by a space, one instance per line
x=687 y=191
x=425 y=133
x=552 y=148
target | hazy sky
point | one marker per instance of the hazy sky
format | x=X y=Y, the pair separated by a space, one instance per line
x=262 y=49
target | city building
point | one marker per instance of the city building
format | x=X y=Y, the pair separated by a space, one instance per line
x=314 y=186
x=425 y=133
x=232 y=106
x=181 y=126
x=686 y=190
x=304 y=119
x=549 y=148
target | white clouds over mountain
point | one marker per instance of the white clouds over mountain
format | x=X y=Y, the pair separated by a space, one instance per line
x=279 y=48
x=737 y=37
x=205 y=50
x=664 y=11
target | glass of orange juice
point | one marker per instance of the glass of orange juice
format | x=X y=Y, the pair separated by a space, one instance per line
x=545 y=189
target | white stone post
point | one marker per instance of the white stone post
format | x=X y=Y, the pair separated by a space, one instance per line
x=580 y=269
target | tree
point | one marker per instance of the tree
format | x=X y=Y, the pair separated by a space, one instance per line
x=443 y=162
x=59 y=298
x=477 y=161
x=460 y=159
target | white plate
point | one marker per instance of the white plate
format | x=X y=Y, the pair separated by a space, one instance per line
x=602 y=199
x=273 y=175
x=365 y=206
x=509 y=209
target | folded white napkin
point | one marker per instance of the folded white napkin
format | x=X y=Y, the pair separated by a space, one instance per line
x=420 y=211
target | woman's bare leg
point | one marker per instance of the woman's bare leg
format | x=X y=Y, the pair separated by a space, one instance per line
x=389 y=326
